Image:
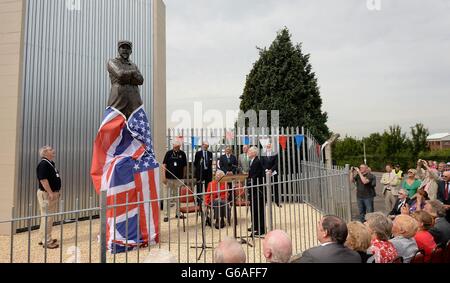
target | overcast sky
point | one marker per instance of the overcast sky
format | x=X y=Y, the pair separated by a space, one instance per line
x=374 y=67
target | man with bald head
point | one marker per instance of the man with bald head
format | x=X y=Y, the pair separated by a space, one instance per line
x=229 y=251
x=365 y=191
x=174 y=167
x=277 y=247
x=443 y=193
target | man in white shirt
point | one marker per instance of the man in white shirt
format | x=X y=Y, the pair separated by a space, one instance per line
x=390 y=183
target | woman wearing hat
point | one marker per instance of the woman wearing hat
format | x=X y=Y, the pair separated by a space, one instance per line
x=411 y=184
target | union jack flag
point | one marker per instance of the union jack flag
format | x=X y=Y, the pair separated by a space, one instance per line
x=124 y=165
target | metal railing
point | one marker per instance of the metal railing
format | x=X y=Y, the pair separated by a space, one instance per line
x=304 y=198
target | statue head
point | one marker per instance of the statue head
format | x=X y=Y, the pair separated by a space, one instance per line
x=125 y=49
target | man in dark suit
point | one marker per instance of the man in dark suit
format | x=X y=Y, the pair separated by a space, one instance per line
x=332 y=234
x=203 y=169
x=441 y=228
x=402 y=200
x=270 y=164
x=228 y=162
x=256 y=193
x=443 y=193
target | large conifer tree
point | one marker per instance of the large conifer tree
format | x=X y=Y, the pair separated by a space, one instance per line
x=282 y=79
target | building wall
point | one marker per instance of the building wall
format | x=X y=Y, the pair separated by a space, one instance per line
x=159 y=79
x=10 y=57
x=60 y=95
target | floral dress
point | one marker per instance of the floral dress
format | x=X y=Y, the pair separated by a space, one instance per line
x=383 y=251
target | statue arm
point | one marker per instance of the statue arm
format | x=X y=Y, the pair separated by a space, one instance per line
x=137 y=78
x=116 y=71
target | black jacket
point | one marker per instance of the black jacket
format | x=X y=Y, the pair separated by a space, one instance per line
x=256 y=172
x=270 y=162
x=331 y=253
x=441 y=193
x=398 y=211
x=227 y=165
x=198 y=163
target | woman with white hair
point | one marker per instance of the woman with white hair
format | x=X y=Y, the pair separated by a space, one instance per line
x=216 y=198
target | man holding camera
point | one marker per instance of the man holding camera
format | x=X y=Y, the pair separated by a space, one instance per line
x=365 y=192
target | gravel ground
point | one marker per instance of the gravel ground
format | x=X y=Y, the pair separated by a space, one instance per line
x=298 y=220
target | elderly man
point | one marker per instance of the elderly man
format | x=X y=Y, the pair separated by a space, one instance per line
x=443 y=193
x=203 y=169
x=403 y=200
x=244 y=162
x=332 y=233
x=47 y=195
x=441 y=169
x=228 y=162
x=125 y=81
x=256 y=193
x=174 y=166
x=404 y=229
x=229 y=251
x=390 y=183
x=277 y=247
x=441 y=228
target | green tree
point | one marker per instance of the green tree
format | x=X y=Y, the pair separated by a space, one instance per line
x=419 y=136
x=393 y=142
x=282 y=79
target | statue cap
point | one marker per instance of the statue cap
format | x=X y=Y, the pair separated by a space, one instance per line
x=124 y=42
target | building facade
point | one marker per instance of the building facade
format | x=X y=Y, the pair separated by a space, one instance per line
x=55 y=87
x=439 y=141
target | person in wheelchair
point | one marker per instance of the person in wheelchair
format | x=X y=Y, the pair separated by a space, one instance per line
x=216 y=199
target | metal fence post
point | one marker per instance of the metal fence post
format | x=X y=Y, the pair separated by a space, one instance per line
x=349 y=205
x=269 y=200
x=103 y=204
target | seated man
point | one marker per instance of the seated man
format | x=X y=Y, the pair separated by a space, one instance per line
x=332 y=234
x=277 y=247
x=404 y=228
x=229 y=251
x=441 y=228
x=402 y=201
x=216 y=197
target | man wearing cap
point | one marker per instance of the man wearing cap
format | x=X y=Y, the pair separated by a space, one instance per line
x=125 y=79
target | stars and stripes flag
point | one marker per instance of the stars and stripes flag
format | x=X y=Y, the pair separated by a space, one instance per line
x=124 y=165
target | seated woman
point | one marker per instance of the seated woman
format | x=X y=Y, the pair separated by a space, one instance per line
x=418 y=201
x=424 y=239
x=216 y=198
x=404 y=228
x=358 y=239
x=380 y=229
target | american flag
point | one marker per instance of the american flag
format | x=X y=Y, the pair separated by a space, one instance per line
x=124 y=165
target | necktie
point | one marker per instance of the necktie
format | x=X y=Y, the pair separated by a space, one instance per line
x=446 y=191
x=204 y=160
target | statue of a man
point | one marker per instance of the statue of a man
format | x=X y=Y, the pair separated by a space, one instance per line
x=125 y=79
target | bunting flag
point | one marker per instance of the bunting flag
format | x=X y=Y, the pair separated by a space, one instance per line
x=229 y=135
x=298 y=140
x=124 y=165
x=283 y=142
x=246 y=140
x=214 y=140
x=264 y=142
x=195 y=141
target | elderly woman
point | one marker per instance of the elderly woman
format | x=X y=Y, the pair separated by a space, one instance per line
x=358 y=239
x=216 y=198
x=404 y=228
x=429 y=178
x=380 y=229
x=424 y=239
x=411 y=184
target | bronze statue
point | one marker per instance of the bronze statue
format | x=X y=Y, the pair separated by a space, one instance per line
x=125 y=79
